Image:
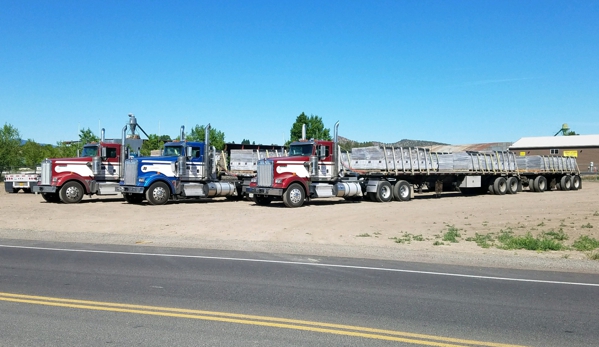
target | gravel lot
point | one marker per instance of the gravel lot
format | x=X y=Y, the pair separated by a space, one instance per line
x=328 y=227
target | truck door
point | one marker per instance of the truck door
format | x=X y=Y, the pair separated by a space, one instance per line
x=111 y=164
x=325 y=161
x=195 y=164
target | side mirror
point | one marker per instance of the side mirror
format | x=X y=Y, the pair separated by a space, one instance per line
x=189 y=151
x=103 y=152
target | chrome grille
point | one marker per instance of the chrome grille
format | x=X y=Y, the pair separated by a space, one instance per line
x=46 y=176
x=264 y=173
x=130 y=172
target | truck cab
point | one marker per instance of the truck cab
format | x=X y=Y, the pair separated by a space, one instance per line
x=185 y=169
x=97 y=170
x=310 y=170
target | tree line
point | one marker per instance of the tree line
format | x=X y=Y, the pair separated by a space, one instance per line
x=14 y=153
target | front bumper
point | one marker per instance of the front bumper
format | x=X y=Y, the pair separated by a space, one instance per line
x=265 y=191
x=130 y=189
x=44 y=189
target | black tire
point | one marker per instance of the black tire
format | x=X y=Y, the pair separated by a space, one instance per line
x=576 y=183
x=500 y=186
x=294 y=196
x=51 y=197
x=540 y=184
x=15 y=190
x=491 y=189
x=512 y=185
x=262 y=200
x=158 y=193
x=402 y=191
x=71 y=192
x=26 y=190
x=565 y=183
x=384 y=192
x=133 y=198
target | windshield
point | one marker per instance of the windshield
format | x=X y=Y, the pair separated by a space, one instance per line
x=89 y=151
x=300 y=150
x=172 y=151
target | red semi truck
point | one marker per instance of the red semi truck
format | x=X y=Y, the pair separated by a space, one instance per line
x=318 y=169
x=96 y=171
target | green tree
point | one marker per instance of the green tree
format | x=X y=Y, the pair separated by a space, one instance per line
x=314 y=128
x=71 y=149
x=10 y=141
x=152 y=143
x=217 y=138
x=66 y=149
x=32 y=153
x=245 y=142
x=87 y=136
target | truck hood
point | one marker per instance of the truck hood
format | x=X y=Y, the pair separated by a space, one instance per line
x=298 y=159
x=161 y=159
x=76 y=159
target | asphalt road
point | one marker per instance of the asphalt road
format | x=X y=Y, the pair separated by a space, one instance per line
x=96 y=295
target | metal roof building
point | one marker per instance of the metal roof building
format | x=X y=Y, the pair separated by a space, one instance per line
x=584 y=147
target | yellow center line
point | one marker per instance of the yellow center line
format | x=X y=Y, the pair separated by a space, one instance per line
x=321 y=327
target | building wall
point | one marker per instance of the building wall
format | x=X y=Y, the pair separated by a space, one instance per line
x=584 y=156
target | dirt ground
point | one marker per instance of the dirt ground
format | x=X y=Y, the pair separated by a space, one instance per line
x=323 y=227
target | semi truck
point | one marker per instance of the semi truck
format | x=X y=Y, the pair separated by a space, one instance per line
x=187 y=169
x=96 y=171
x=26 y=180
x=318 y=169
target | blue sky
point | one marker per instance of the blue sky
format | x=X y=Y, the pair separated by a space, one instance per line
x=449 y=71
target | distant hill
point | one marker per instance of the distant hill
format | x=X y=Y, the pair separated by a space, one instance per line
x=347 y=143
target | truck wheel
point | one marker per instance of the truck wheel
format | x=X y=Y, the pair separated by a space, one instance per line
x=133 y=198
x=565 y=183
x=576 y=183
x=384 y=192
x=294 y=196
x=71 y=192
x=531 y=185
x=15 y=190
x=540 y=184
x=401 y=191
x=26 y=190
x=158 y=193
x=500 y=186
x=51 y=197
x=262 y=200
x=512 y=185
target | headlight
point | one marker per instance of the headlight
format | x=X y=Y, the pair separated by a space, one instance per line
x=141 y=180
x=254 y=179
x=279 y=181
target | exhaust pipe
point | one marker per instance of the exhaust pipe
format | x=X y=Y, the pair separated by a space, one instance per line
x=207 y=163
x=336 y=151
x=182 y=132
x=122 y=159
x=303 y=132
x=102 y=137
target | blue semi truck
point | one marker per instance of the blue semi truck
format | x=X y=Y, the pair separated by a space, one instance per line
x=186 y=169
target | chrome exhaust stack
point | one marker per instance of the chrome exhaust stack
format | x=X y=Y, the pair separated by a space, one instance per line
x=336 y=151
x=207 y=162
